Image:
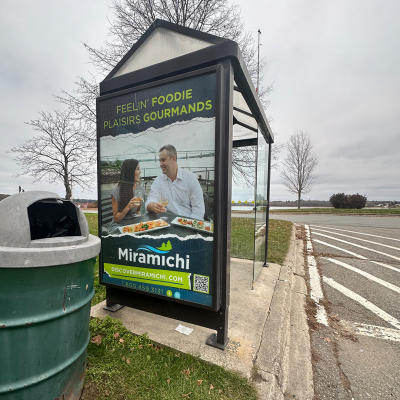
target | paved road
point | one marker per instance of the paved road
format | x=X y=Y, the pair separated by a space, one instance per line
x=358 y=258
x=389 y=222
x=372 y=221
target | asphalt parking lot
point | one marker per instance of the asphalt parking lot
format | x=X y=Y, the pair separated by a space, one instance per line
x=356 y=350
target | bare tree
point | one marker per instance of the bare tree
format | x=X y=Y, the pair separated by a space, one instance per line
x=83 y=100
x=244 y=163
x=133 y=17
x=63 y=152
x=299 y=165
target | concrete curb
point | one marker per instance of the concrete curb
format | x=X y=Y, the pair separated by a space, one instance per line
x=285 y=343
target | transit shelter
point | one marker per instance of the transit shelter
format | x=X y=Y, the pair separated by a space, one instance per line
x=188 y=96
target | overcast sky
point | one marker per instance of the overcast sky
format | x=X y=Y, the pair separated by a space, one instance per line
x=335 y=66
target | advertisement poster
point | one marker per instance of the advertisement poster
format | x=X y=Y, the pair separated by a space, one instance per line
x=157 y=164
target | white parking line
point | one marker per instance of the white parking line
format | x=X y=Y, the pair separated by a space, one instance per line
x=359 y=299
x=364 y=240
x=386 y=266
x=371 y=330
x=315 y=281
x=365 y=274
x=357 y=255
x=357 y=245
x=358 y=233
x=339 y=248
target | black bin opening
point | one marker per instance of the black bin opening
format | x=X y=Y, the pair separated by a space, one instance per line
x=53 y=218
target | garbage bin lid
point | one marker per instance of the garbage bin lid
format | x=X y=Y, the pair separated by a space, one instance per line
x=15 y=227
x=21 y=248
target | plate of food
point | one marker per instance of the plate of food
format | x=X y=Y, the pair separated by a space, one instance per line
x=142 y=227
x=194 y=224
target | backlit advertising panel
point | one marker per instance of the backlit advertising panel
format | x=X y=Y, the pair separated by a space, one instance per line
x=156 y=187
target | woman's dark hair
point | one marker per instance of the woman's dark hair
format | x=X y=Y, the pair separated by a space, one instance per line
x=126 y=182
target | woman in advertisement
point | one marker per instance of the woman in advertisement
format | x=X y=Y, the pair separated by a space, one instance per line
x=128 y=197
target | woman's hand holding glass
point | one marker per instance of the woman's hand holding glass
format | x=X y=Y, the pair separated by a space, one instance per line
x=137 y=200
x=133 y=203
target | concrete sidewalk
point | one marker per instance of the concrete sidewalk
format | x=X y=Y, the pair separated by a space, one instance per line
x=269 y=341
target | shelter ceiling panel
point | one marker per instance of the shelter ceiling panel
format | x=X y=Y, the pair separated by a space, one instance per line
x=242 y=133
x=240 y=102
x=245 y=119
x=161 y=45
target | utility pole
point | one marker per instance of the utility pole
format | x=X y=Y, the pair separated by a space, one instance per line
x=258 y=61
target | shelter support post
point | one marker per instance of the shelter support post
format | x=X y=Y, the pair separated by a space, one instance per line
x=223 y=193
x=220 y=339
x=267 y=216
x=110 y=305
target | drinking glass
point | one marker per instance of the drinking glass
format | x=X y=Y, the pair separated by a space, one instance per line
x=164 y=202
x=138 y=195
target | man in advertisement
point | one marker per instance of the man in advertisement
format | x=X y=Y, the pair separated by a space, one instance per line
x=177 y=190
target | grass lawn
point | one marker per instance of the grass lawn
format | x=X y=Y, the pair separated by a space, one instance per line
x=363 y=211
x=242 y=239
x=123 y=366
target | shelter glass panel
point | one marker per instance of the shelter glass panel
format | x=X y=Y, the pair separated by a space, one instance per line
x=244 y=178
x=261 y=203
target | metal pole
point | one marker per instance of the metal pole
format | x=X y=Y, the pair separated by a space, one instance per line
x=258 y=61
x=267 y=216
x=222 y=217
x=255 y=214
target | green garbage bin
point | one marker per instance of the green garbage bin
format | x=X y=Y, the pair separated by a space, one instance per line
x=46 y=286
